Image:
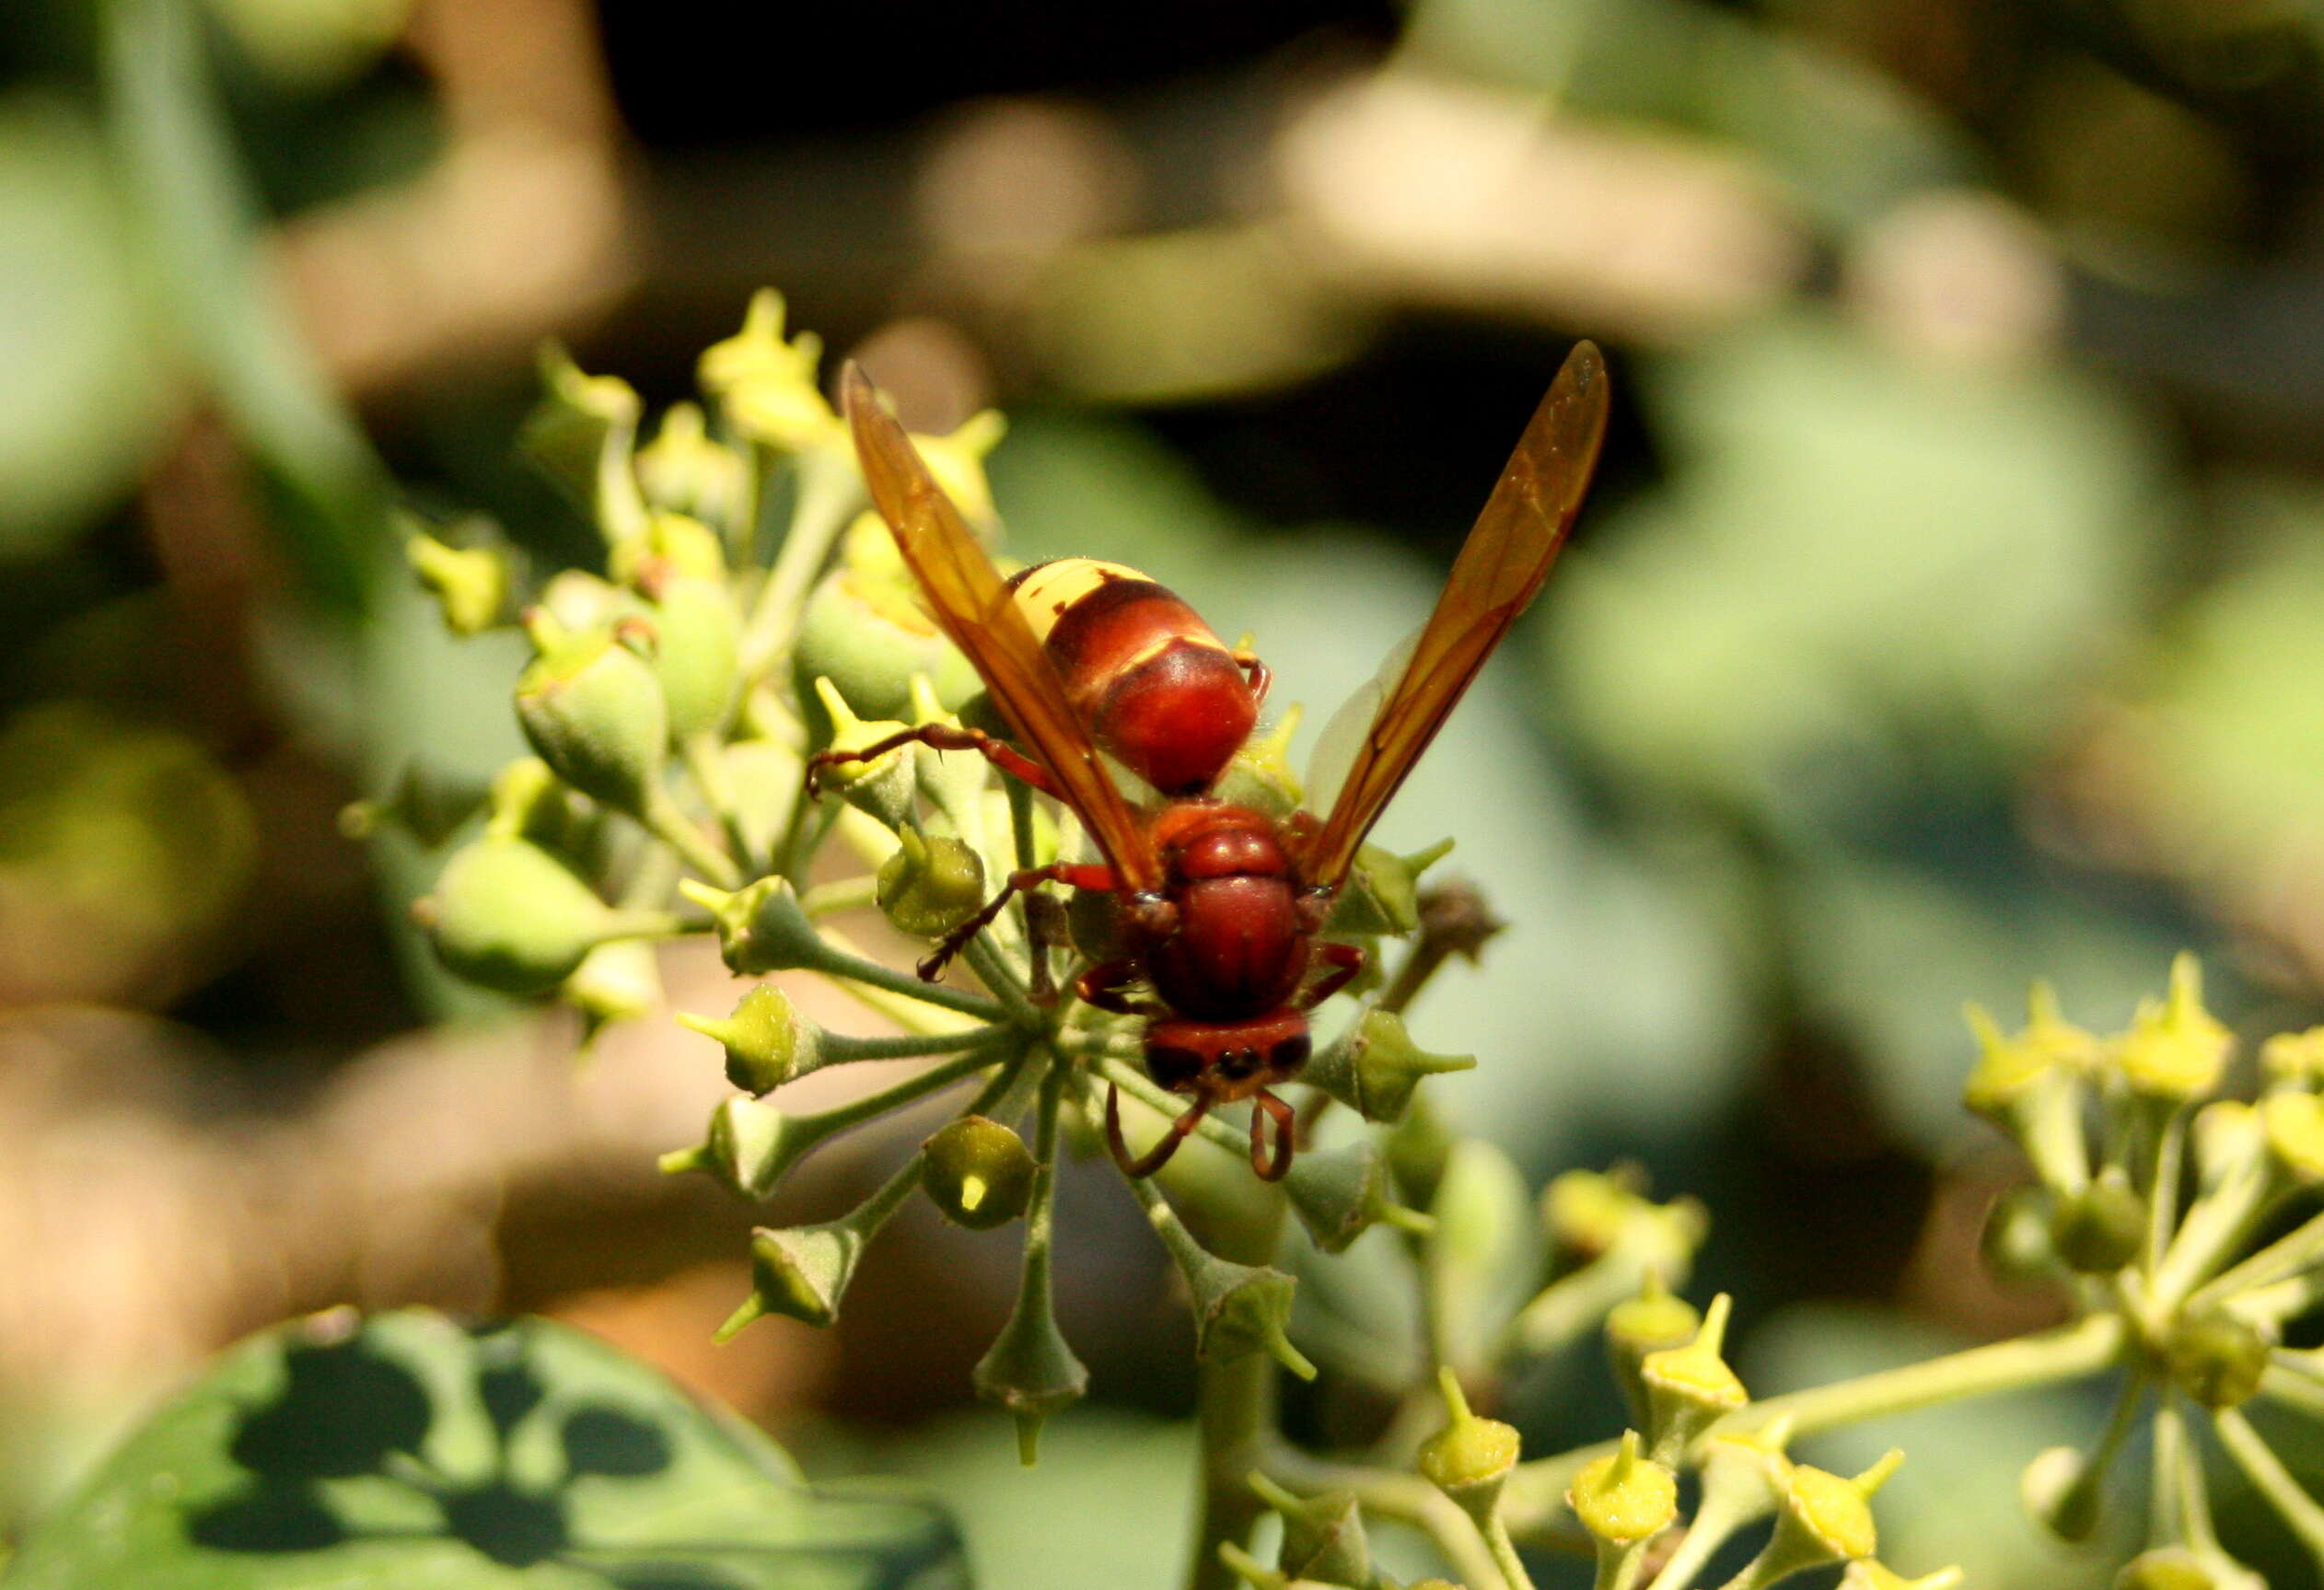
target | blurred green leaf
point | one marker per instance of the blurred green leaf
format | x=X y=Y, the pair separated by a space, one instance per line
x=85 y=390
x=199 y=224
x=405 y=1449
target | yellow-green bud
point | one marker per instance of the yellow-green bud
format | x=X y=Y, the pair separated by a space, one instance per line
x=1469 y=1457
x=592 y=709
x=1323 y=1540
x=2295 y=1059
x=683 y=470
x=865 y=634
x=2101 y=1228
x=579 y=601
x=2176 y=1051
x=767 y=1041
x=2227 y=1135
x=1583 y=1213
x=930 y=886
x=430 y=808
x=1382 y=891
x=887 y=787
x=2182 y=1568
x=979 y=1173
x=697 y=653
x=674 y=547
x=1824 y=1518
x=766 y=385
x=1867 y=1574
x=471 y=585
x=618 y=981
x=1240 y=1309
x=2294 y=1126
x=1030 y=1369
x=1687 y=1388
x=760 y=926
x=1626 y=1497
x=1340 y=1193
x=2216 y=1358
x=1374 y=1067
x=2015 y=1242
x=800 y=1273
x=749 y=1148
x=508 y=915
x=581 y=435
x=1653 y=1321
x=2060 y=1491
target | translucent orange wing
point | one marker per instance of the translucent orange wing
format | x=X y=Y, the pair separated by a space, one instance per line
x=1501 y=566
x=971 y=603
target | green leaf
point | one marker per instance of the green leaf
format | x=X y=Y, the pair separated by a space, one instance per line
x=407 y=1450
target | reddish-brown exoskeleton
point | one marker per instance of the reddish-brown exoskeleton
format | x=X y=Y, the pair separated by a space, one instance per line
x=1220 y=905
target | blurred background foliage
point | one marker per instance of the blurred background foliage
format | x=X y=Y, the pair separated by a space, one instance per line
x=1946 y=615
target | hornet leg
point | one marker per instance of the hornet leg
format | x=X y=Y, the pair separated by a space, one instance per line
x=1266 y=1107
x=1160 y=1155
x=942 y=738
x=1066 y=873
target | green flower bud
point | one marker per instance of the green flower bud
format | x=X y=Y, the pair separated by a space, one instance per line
x=800 y=1273
x=2216 y=1358
x=508 y=915
x=749 y=1149
x=888 y=786
x=1469 y=1457
x=979 y=1174
x=1745 y=1472
x=592 y=709
x=2295 y=1059
x=429 y=808
x=1656 y=1320
x=2294 y=1123
x=1626 y=1498
x=864 y=630
x=581 y=436
x=674 y=547
x=1824 y=1518
x=766 y=386
x=2182 y=1568
x=2176 y=1051
x=1584 y=1213
x=760 y=926
x=1690 y=1387
x=618 y=981
x=683 y=470
x=470 y=583
x=2101 y=1228
x=1031 y=1371
x=2227 y=1136
x=1323 y=1537
x=1241 y=1309
x=2016 y=1242
x=1865 y=1573
x=1259 y=775
x=2061 y=1492
x=1418 y=1151
x=1374 y=1067
x=1382 y=891
x=2031 y=1085
x=767 y=1041
x=697 y=653
x=579 y=601
x=1339 y=1194
x=930 y=886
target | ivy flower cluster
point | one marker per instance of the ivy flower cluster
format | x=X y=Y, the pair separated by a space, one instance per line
x=751 y=611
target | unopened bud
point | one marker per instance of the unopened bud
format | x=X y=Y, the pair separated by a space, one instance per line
x=2015 y=1242
x=749 y=1148
x=767 y=1041
x=683 y=470
x=1470 y=1457
x=760 y=926
x=697 y=652
x=1339 y=1194
x=508 y=915
x=1030 y=1369
x=614 y=982
x=2294 y=1123
x=471 y=583
x=1690 y=1387
x=1382 y=890
x=930 y=886
x=1376 y=1067
x=2216 y=1358
x=2100 y=1228
x=592 y=709
x=979 y=1174
x=800 y=1273
x=2176 y=1051
x=2060 y=1489
x=1654 y=1321
x=1626 y=1497
x=1323 y=1540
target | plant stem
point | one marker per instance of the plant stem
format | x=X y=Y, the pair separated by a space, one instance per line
x=1512 y=1567
x=847 y=894
x=2287 y=1256
x=840 y=960
x=1001 y=982
x=828 y=492
x=2259 y=1463
x=1536 y=1491
x=675 y=829
x=1234 y=1407
x=823 y=1123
